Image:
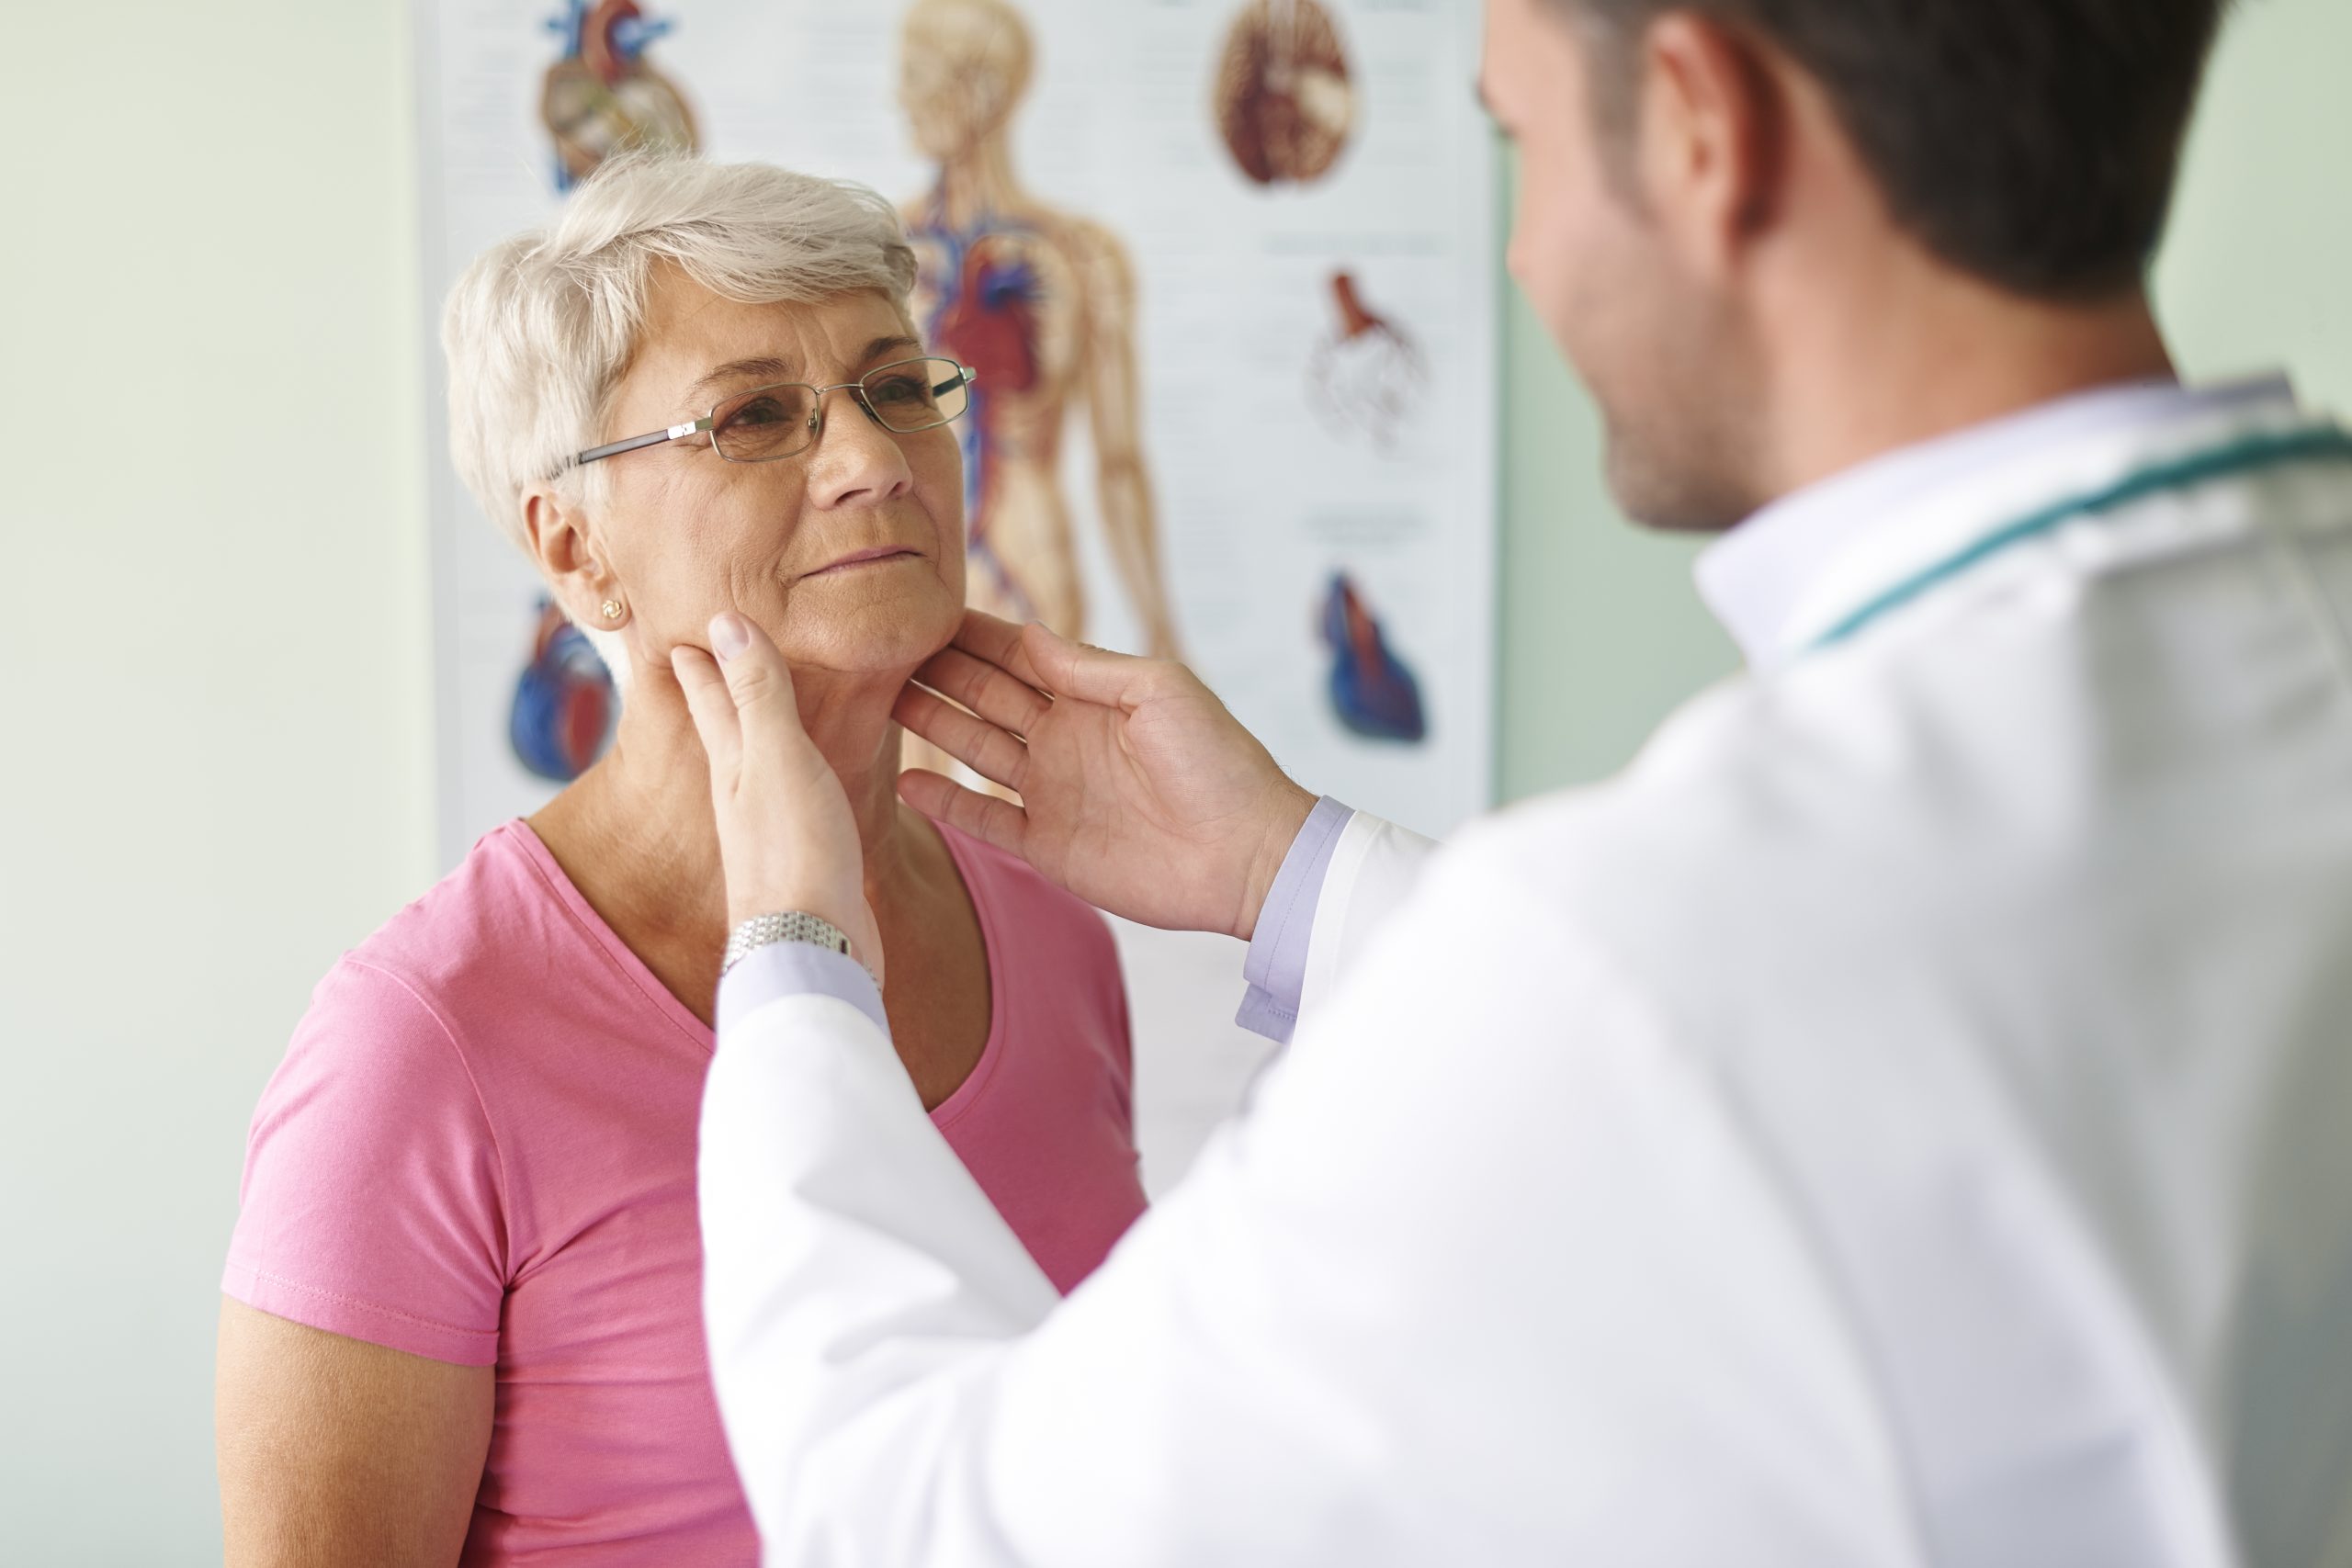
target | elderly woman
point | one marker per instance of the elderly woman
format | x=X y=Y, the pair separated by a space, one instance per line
x=463 y=1315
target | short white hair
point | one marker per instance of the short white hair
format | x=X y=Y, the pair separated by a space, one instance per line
x=540 y=328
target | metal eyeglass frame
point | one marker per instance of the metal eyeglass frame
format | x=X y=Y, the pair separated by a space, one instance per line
x=965 y=377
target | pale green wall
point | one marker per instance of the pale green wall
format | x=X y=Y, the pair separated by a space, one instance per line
x=2256 y=271
x=213 y=767
x=1602 y=633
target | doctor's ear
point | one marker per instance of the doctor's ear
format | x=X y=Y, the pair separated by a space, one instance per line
x=1715 y=122
x=555 y=528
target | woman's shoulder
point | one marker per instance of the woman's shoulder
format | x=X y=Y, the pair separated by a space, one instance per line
x=375 y=1203
x=384 y=1061
x=1020 y=892
x=470 y=922
x=473 y=939
x=1044 y=946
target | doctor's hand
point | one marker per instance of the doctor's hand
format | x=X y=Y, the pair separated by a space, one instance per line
x=1138 y=792
x=787 y=836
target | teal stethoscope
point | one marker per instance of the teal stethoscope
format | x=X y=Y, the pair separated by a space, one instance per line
x=2247 y=455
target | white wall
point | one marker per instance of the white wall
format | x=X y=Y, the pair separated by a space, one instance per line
x=213 y=602
x=212 y=599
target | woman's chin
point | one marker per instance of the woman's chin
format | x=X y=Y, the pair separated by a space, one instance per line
x=862 y=632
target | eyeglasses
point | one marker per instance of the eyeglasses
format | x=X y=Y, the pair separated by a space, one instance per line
x=771 y=423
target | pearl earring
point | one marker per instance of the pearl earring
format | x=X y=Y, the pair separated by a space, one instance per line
x=612 y=608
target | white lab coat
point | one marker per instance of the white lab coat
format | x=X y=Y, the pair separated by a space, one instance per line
x=1906 y=1120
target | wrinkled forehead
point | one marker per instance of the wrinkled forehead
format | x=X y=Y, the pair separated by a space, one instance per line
x=696 y=346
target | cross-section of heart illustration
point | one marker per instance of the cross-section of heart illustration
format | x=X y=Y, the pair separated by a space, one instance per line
x=1366 y=378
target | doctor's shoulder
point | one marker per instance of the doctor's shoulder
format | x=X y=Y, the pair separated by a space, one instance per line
x=1734 y=773
x=1772 y=835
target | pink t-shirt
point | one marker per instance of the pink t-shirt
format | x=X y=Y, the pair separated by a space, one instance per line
x=481 y=1149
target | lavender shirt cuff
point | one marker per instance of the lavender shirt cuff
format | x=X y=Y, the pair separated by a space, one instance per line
x=1276 y=968
x=797 y=969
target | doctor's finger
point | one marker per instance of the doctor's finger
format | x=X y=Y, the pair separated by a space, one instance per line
x=985 y=689
x=713 y=709
x=982 y=817
x=1089 y=674
x=998 y=641
x=975 y=742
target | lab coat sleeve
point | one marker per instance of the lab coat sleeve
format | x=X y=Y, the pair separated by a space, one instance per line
x=1375 y=866
x=1452 y=1291
x=1343 y=876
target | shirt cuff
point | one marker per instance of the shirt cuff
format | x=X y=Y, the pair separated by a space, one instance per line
x=1276 y=968
x=784 y=969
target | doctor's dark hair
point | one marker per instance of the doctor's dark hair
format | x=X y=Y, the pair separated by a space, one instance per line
x=2032 y=144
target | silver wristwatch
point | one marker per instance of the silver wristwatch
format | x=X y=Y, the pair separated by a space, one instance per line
x=760 y=931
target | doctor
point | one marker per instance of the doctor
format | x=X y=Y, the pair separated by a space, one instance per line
x=1906 y=1119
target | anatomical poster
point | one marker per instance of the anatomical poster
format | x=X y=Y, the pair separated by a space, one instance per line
x=1226 y=269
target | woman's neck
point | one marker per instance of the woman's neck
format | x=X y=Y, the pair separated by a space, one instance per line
x=637 y=830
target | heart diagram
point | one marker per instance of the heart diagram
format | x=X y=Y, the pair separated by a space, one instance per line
x=1366 y=378
x=1286 y=105
x=603 y=95
x=1372 y=691
x=564 y=702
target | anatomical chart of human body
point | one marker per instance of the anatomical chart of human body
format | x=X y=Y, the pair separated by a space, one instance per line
x=1226 y=269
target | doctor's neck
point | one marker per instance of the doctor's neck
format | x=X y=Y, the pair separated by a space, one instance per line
x=1912 y=350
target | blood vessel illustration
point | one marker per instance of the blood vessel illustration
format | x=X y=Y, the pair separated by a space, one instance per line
x=1042 y=304
x=1284 y=99
x=1366 y=378
x=564 y=707
x=1372 y=691
x=602 y=96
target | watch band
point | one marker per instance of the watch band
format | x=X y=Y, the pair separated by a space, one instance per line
x=762 y=931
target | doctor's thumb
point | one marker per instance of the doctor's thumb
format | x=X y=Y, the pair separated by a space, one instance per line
x=757 y=678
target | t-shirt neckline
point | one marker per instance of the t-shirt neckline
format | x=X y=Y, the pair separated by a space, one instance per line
x=518 y=833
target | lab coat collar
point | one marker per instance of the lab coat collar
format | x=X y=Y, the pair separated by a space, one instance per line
x=1781 y=578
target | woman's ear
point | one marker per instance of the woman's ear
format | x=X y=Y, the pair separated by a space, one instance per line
x=570 y=558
